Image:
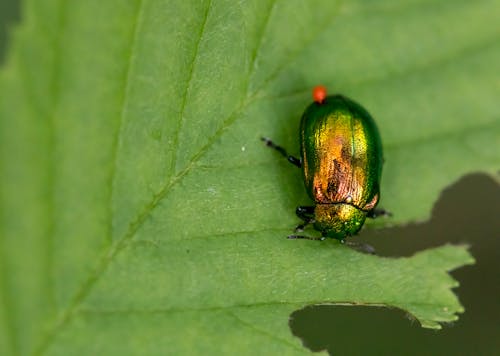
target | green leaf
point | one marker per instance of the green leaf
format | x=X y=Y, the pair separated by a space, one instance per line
x=140 y=213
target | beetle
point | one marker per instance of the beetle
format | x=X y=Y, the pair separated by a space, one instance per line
x=341 y=161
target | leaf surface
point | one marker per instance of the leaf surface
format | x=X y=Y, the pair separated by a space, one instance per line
x=142 y=215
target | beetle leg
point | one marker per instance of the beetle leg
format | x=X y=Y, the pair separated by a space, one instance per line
x=306 y=213
x=375 y=213
x=322 y=238
x=296 y=237
x=301 y=227
x=293 y=160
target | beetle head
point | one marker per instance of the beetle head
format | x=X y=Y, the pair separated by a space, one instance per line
x=338 y=220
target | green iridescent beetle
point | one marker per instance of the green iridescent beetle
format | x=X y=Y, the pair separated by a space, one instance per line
x=341 y=161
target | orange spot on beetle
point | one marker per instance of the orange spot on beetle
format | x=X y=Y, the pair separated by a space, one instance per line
x=319 y=94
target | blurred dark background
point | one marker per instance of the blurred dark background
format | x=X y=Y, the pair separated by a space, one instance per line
x=9 y=15
x=467 y=212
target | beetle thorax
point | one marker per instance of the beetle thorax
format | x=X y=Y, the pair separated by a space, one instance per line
x=338 y=220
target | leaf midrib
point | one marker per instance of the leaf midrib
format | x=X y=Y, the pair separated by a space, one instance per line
x=194 y=61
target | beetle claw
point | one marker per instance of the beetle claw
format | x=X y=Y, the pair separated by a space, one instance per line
x=375 y=213
x=299 y=228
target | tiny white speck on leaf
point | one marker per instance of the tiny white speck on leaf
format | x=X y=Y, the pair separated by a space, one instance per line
x=211 y=190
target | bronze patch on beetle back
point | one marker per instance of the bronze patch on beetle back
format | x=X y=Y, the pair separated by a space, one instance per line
x=336 y=169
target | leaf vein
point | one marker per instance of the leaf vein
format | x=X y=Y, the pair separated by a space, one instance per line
x=178 y=129
x=306 y=43
x=256 y=52
x=117 y=142
x=444 y=135
x=463 y=53
x=263 y=332
x=69 y=311
x=404 y=305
